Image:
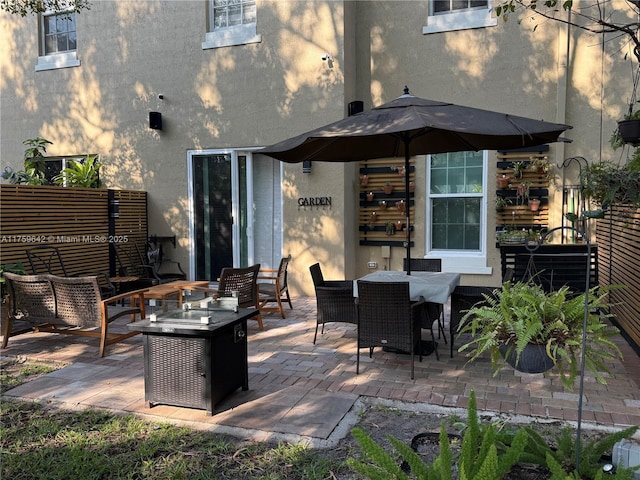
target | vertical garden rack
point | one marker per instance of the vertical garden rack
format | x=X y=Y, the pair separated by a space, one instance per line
x=373 y=219
x=517 y=215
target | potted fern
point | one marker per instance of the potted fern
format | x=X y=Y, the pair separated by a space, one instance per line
x=523 y=326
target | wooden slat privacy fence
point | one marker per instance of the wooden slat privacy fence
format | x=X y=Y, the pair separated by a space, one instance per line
x=75 y=220
x=618 y=238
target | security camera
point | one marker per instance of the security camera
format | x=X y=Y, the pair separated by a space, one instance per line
x=326 y=57
x=161 y=96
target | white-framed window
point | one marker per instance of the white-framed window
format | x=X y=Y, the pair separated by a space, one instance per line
x=231 y=22
x=456 y=211
x=450 y=15
x=54 y=166
x=58 y=41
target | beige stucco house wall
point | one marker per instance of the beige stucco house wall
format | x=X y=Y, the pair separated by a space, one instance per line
x=255 y=94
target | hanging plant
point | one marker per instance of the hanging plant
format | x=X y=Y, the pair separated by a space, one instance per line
x=606 y=183
x=628 y=131
x=520 y=314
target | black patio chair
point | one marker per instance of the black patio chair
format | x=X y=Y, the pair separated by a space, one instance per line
x=47 y=259
x=462 y=299
x=435 y=311
x=334 y=300
x=163 y=269
x=388 y=318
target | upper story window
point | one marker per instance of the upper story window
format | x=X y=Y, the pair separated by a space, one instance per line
x=58 y=41
x=450 y=15
x=231 y=22
x=59 y=33
x=442 y=6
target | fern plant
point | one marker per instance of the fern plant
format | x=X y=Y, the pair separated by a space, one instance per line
x=523 y=313
x=479 y=459
x=561 y=458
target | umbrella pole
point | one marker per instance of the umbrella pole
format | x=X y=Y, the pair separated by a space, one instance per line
x=407 y=204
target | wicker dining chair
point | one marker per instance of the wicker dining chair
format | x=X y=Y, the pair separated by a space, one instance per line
x=334 y=300
x=434 y=310
x=388 y=318
x=241 y=281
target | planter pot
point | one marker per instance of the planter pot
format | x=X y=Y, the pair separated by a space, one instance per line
x=370 y=196
x=388 y=189
x=533 y=359
x=427 y=445
x=513 y=238
x=399 y=226
x=382 y=204
x=364 y=180
x=412 y=187
x=534 y=205
x=630 y=131
x=503 y=182
x=400 y=206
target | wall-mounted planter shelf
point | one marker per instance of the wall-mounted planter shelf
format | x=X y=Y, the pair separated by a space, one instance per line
x=372 y=228
x=517 y=215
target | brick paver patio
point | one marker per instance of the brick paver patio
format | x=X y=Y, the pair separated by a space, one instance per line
x=298 y=390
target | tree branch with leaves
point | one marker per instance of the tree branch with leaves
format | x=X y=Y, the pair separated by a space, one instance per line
x=34 y=7
x=594 y=18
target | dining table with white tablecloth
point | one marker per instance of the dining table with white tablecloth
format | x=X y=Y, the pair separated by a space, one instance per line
x=433 y=287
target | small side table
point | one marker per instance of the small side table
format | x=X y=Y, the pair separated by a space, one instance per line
x=120 y=280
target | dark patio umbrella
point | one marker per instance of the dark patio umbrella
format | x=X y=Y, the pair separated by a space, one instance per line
x=410 y=126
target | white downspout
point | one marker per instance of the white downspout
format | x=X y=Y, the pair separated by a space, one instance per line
x=561 y=98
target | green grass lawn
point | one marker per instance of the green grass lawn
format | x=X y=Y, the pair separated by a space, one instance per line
x=44 y=442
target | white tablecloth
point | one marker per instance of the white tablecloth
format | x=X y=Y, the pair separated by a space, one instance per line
x=433 y=286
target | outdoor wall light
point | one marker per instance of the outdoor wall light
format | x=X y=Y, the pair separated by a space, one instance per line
x=306 y=166
x=326 y=57
x=114 y=209
x=155 y=120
